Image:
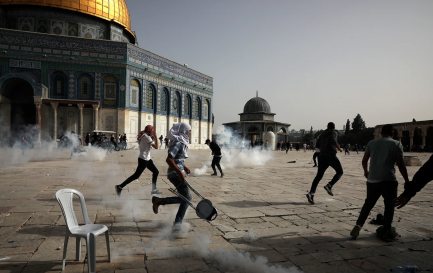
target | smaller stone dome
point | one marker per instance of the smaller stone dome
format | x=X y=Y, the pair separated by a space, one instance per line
x=257 y=105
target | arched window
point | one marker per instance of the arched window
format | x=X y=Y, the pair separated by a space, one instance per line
x=177 y=104
x=206 y=110
x=85 y=87
x=164 y=100
x=110 y=88
x=188 y=106
x=134 y=88
x=58 y=84
x=197 y=108
x=150 y=96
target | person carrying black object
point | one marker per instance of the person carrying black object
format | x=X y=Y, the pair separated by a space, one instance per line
x=177 y=170
x=328 y=146
x=216 y=152
x=419 y=180
x=383 y=154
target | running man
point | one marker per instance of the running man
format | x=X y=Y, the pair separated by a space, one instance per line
x=328 y=146
x=384 y=153
x=146 y=139
x=216 y=152
x=177 y=170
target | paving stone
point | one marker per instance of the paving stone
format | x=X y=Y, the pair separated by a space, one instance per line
x=272 y=220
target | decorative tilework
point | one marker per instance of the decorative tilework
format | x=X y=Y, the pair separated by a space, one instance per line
x=71 y=85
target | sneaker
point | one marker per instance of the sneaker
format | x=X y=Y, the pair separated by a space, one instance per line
x=355 y=232
x=328 y=189
x=310 y=198
x=118 y=190
x=213 y=174
x=155 y=204
x=155 y=191
x=177 y=227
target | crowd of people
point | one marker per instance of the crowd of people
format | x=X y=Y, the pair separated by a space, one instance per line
x=379 y=160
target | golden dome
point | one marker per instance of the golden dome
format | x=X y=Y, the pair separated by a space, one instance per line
x=110 y=10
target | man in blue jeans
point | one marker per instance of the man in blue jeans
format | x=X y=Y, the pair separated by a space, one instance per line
x=328 y=146
x=383 y=153
x=177 y=153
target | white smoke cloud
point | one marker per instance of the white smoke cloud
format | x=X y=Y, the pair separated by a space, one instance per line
x=232 y=261
x=235 y=152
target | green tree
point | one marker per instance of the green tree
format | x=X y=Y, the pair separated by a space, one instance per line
x=347 y=127
x=358 y=124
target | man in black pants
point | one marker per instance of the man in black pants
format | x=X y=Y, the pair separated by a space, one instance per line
x=216 y=152
x=146 y=139
x=419 y=180
x=384 y=154
x=328 y=146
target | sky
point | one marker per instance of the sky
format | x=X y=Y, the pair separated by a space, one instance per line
x=314 y=61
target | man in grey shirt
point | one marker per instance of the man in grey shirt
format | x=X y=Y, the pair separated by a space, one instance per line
x=384 y=154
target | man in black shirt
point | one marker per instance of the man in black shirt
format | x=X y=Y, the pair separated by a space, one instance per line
x=328 y=145
x=216 y=152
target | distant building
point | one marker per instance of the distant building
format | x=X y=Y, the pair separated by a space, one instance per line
x=74 y=66
x=257 y=125
x=414 y=136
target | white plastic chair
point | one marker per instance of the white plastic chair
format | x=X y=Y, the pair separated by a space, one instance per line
x=88 y=231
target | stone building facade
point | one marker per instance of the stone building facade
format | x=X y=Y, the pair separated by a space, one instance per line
x=257 y=125
x=74 y=66
x=414 y=136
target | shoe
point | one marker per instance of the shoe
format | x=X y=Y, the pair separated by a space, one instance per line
x=155 y=191
x=310 y=198
x=387 y=235
x=118 y=190
x=355 y=232
x=155 y=204
x=328 y=189
x=222 y=175
x=177 y=227
x=213 y=174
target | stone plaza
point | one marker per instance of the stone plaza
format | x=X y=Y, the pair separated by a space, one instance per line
x=265 y=223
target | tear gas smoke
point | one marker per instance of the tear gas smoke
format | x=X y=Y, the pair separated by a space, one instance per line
x=26 y=148
x=232 y=261
x=235 y=152
x=202 y=170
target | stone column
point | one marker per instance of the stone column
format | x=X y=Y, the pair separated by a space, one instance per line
x=38 y=104
x=423 y=136
x=411 y=134
x=199 y=131
x=400 y=134
x=95 y=116
x=80 y=128
x=54 y=105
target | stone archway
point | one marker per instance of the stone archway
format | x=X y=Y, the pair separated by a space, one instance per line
x=17 y=109
x=405 y=140
x=417 y=140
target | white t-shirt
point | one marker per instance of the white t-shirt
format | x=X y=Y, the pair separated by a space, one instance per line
x=145 y=144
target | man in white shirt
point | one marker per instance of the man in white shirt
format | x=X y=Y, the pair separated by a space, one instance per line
x=146 y=140
x=384 y=154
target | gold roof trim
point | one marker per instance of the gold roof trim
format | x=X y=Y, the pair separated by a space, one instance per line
x=110 y=10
